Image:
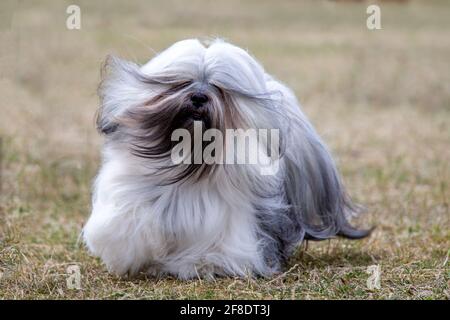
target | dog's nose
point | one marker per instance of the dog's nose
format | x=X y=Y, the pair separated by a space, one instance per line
x=199 y=99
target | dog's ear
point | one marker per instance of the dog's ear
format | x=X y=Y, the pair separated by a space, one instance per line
x=121 y=88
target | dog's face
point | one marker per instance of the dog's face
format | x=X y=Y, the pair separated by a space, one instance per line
x=221 y=85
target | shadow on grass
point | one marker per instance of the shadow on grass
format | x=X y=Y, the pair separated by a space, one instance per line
x=306 y=260
x=334 y=258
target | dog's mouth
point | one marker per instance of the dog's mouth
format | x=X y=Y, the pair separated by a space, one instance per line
x=186 y=117
x=198 y=117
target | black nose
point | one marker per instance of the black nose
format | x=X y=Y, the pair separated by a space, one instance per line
x=199 y=99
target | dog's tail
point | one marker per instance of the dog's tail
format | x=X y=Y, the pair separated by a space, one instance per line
x=318 y=202
x=350 y=233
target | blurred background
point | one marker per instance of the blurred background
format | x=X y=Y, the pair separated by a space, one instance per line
x=379 y=98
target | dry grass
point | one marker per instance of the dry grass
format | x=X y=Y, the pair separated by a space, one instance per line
x=381 y=99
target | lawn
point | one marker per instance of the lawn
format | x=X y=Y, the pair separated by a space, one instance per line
x=379 y=98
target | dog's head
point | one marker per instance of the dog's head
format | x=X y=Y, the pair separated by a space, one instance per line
x=223 y=87
x=220 y=85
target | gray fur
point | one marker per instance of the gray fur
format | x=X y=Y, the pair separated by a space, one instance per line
x=172 y=206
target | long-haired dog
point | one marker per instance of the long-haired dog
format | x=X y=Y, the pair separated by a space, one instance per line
x=189 y=220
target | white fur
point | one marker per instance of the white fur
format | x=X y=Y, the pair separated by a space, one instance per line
x=208 y=226
x=214 y=225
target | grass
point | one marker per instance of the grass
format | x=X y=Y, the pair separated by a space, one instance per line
x=381 y=100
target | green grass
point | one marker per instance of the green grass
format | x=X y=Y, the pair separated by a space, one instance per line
x=380 y=99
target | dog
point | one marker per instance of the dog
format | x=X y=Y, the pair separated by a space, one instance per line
x=188 y=220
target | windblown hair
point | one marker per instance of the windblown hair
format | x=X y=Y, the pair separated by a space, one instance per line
x=193 y=220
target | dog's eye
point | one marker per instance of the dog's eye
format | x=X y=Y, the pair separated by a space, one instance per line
x=177 y=87
x=219 y=90
x=174 y=88
x=183 y=85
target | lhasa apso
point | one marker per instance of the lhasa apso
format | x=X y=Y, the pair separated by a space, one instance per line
x=153 y=215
